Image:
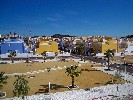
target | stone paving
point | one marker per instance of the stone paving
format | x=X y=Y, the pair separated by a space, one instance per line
x=109 y=92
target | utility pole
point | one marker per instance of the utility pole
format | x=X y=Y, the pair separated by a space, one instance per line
x=49 y=69
x=125 y=68
x=117 y=44
x=30 y=32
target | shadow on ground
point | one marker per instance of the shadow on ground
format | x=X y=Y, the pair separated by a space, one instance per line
x=88 y=70
x=45 y=88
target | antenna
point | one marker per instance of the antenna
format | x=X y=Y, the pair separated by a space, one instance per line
x=30 y=32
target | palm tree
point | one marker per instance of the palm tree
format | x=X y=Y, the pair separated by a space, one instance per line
x=44 y=55
x=21 y=86
x=3 y=79
x=91 y=51
x=109 y=54
x=15 y=34
x=80 y=48
x=12 y=55
x=72 y=72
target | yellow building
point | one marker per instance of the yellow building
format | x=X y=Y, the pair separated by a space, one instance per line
x=48 y=46
x=102 y=47
x=84 y=38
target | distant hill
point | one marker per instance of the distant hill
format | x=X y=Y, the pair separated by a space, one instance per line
x=128 y=36
x=60 y=36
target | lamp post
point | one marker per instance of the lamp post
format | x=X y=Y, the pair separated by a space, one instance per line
x=125 y=68
x=117 y=44
x=49 y=69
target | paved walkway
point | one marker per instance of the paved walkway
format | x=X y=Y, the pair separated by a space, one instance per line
x=125 y=76
x=109 y=92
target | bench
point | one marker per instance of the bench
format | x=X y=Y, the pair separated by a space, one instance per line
x=42 y=90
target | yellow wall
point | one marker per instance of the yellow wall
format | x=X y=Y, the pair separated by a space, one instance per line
x=111 y=44
x=103 y=47
x=84 y=38
x=49 y=46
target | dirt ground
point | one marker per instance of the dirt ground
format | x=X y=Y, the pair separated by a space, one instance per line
x=58 y=78
x=129 y=59
x=27 y=67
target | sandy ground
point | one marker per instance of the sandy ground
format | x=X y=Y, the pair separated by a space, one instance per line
x=58 y=78
x=26 y=67
x=129 y=59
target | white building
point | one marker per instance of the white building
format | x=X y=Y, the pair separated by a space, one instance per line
x=129 y=50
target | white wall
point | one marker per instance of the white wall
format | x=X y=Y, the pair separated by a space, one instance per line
x=129 y=50
x=50 y=54
x=100 y=55
x=23 y=55
x=64 y=54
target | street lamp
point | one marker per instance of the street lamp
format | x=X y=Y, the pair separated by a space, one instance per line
x=117 y=44
x=125 y=68
x=49 y=69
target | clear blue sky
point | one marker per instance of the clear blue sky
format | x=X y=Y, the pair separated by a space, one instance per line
x=73 y=17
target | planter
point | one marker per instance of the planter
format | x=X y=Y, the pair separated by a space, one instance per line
x=70 y=87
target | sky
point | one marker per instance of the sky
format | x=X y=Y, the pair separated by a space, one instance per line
x=72 y=17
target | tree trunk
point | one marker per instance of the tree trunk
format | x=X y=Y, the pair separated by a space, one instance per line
x=23 y=97
x=44 y=59
x=81 y=58
x=73 y=82
x=12 y=58
x=108 y=63
x=27 y=60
